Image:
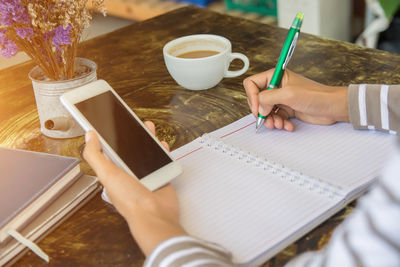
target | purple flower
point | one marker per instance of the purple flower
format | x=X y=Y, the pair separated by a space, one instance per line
x=9 y=49
x=3 y=37
x=61 y=36
x=24 y=33
x=11 y=12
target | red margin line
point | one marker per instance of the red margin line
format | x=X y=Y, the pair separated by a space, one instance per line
x=238 y=129
x=189 y=153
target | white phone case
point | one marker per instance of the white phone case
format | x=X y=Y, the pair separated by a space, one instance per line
x=154 y=180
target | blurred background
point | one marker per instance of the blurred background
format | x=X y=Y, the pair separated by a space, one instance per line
x=370 y=23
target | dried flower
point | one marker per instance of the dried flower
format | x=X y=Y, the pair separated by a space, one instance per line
x=61 y=36
x=47 y=30
x=24 y=33
x=3 y=36
x=9 y=49
x=12 y=12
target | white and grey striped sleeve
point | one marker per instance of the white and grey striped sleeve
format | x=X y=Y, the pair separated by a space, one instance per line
x=375 y=107
x=189 y=252
x=370 y=236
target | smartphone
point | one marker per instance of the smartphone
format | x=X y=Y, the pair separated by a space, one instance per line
x=124 y=137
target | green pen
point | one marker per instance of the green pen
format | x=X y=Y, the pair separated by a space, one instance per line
x=286 y=54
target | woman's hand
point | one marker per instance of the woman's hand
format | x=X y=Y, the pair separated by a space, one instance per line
x=152 y=216
x=297 y=97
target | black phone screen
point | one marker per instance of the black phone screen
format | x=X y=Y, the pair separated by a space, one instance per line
x=124 y=134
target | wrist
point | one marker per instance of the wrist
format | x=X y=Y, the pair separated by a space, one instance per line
x=151 y=231
x=150 y=225
x=340 y=108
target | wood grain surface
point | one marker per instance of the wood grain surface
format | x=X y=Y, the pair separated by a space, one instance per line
x=131 y=61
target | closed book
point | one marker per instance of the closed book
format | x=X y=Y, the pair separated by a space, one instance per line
x=29 y=182
x=80 y=192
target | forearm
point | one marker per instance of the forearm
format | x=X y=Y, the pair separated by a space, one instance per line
x=375 y=107
x=150 y=230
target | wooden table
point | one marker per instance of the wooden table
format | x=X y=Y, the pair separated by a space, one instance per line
x=131 y=60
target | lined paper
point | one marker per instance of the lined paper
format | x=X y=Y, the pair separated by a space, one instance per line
x=226 y=199
x=245 y=211
x=337 y=153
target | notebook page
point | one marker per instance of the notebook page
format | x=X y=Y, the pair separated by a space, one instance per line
x=241 y=207
x=337 y=154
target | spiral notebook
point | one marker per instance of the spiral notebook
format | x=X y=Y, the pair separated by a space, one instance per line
x=256 y=193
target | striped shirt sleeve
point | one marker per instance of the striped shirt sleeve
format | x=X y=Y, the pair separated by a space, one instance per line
x=188 y=251
x=370 y=236
x=375 y=107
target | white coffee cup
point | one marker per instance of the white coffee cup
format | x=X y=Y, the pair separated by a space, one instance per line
x=201 y=72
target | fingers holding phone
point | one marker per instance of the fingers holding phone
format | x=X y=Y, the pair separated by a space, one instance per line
x=123 y=136
x=122 y=188
x=152 y=216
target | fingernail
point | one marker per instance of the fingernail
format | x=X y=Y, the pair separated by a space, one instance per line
x=87 y=137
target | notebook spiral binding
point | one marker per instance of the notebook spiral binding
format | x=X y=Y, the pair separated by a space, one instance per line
x=310 y=183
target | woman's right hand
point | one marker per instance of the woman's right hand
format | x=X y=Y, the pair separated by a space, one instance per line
x=297 y=97
x=153 y=217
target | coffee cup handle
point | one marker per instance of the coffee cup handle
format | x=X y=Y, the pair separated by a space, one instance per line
x=236 y=73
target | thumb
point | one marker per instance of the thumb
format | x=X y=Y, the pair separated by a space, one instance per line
x=93 y=152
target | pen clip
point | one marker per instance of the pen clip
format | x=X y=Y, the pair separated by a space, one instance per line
x=291 y=50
